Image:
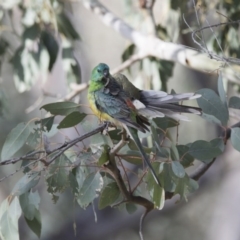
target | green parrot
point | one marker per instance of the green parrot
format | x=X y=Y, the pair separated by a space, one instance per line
x=115 y=99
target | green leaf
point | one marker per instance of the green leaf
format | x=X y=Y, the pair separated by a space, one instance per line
x=73 y=181
x=46 y=122
x=35 y=224
x=65 y=26
x=211 y=118
x=167 y=178
x=52 y=47
x=131 y=208
x=27 y=182
x=34 y=139
x=211 y=104
x=115 y=135
x=221 y=90
x=185 y=158
x=109 y=195
x=57 y=175
x=10 y=211
x=203 y=150
x=71 y=120
x=29 y=202
x=104 y=156
x=178 y=169
x=234 y=102
x=32 y=32
x=15 y=140
x=185 y=186
x=235 y=138
x=91 y=185
x=161 y=151
x=61 y=108
x=128 y=52
x=133 y=157
x=174 y=153
x=158 y=196
x=165 y=123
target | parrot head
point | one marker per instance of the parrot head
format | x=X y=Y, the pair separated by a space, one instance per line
x=100 y=72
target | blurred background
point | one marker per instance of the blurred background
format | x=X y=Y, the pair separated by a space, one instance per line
x=48 y=48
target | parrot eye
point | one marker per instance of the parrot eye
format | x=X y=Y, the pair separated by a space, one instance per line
x=98 y=70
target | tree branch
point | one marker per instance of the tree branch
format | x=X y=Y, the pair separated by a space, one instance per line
x=152 y=46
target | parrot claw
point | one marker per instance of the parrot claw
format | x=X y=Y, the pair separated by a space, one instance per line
x=108 y=124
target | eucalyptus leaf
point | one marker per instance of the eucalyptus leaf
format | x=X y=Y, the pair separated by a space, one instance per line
x=61 y=108
x=178 y=169
x=185 y=158
x=71 y=120
x=104 y=156
x=27 y=182
x=46 y=122
x=235 y=138
x=203 y=150
x=109 y=195
x=66 y=27
x=234 y=102
x=15 y=140
x=57 y=175
x=29 y=202
x=158 y=196
x=10 y=212
x=211 y=104
x=35 y=224
x=91 y=185
x=52 y=47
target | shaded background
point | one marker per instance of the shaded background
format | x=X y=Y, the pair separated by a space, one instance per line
x=212 y=212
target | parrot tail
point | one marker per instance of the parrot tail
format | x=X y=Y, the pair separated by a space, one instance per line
x=159 y=104
x=133 y=133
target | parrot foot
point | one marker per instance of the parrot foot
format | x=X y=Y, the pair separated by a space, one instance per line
x=108 y=124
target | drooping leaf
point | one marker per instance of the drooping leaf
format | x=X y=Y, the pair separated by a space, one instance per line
x=235 y=138
x=91 y=185
x=185 y=158
x=234 y=102
x=167 y=178
x=32 y=32
x=35 y=224
x=34 y=138
x=203 y=150
x=66 y=27
x=185 y=186
x=109 y=195
x=52 y=47
x=165 y=69
x=174 y=153
x=211 y=104
x=46 y=122
x=158 y=196
x=71 y=120
x=29 y=202
x=131 y=208
x=10 y=211
x=15 y=140
x=27 y=182
x=165 y=123
x=61 y=108
x=104 y=156
x=57 y=175
x=73 y=181
x=178 y=169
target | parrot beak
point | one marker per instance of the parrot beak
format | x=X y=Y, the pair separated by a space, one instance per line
x=106 y=73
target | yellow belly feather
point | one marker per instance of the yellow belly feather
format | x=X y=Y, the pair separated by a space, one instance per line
x=101 y=115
